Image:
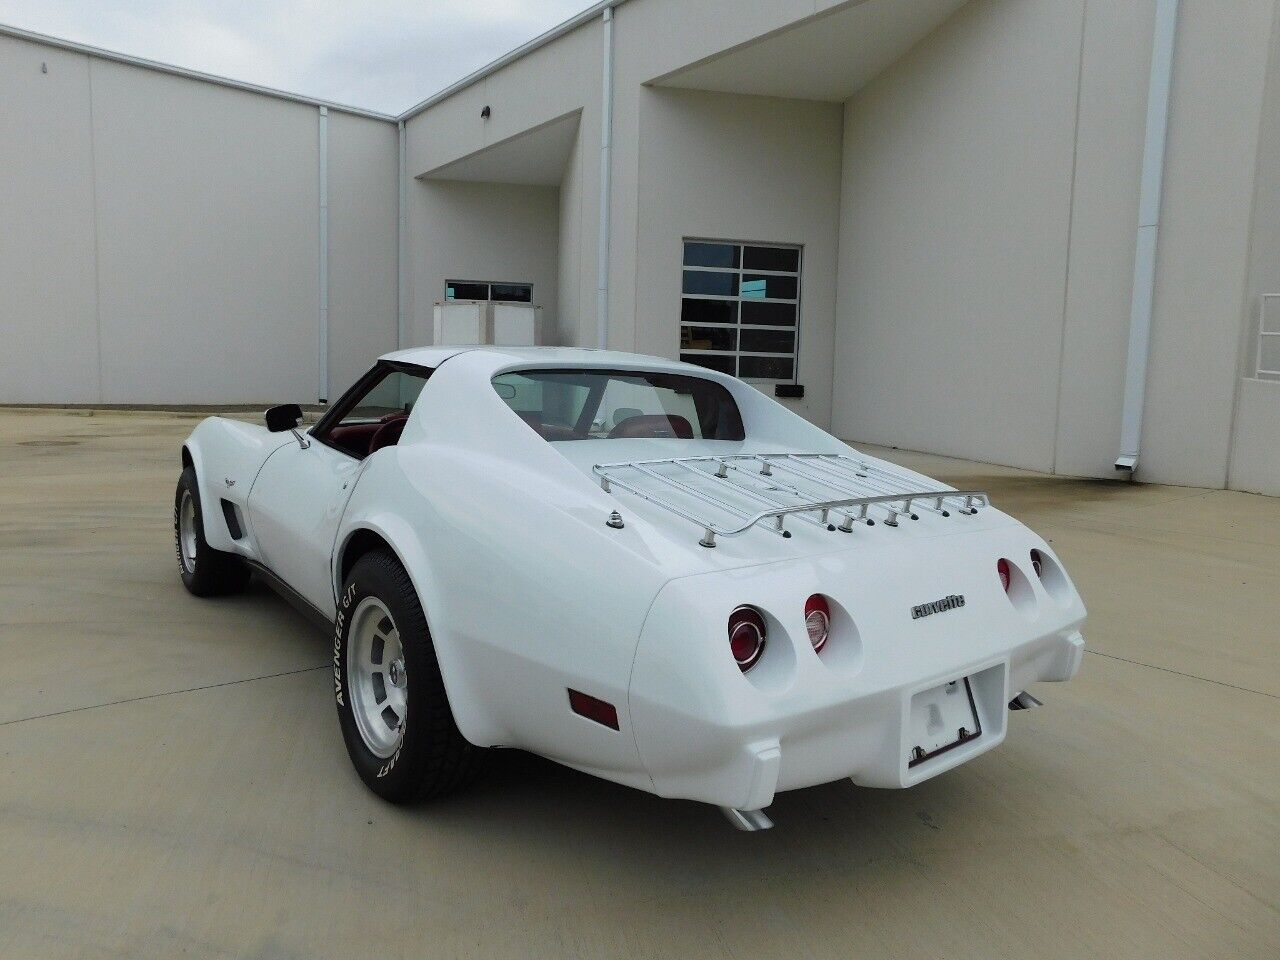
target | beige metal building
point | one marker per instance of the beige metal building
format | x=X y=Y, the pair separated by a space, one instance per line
x=969 y=228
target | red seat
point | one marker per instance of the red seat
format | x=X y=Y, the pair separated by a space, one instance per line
x=652 y=425
x=548 y=431
x=362 y=439
x=355 y=439
x=388 y=434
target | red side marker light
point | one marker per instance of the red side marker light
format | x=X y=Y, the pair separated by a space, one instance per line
x=590 y=707
x=1002 y=568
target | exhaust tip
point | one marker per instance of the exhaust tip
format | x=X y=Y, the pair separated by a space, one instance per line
x=1024 y=701
x=748 y=821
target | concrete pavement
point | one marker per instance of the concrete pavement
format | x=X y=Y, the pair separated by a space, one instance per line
x=173 y=783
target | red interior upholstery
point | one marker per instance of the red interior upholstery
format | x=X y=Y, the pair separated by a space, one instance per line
x=355 y=438
x=652 y=425
x=557 y=431
x=548 y=431
x=362 y=439
x=388 y=434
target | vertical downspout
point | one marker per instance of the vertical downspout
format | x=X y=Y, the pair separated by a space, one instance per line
x=402 y=242
x=323 y=390
x=1144 y=267
x=606 y=149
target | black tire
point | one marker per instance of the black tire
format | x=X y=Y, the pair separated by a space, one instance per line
x=431 y=758
x=210 y=572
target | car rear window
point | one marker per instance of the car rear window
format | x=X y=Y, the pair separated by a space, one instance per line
x=620 y=404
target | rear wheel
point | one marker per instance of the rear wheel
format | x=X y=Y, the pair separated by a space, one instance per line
x=206 y=572
x=392 y=706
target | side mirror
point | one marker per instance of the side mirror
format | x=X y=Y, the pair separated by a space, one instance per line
x=284 y=417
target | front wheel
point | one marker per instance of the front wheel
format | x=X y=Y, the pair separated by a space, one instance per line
x=392 y=706
x=206 y=572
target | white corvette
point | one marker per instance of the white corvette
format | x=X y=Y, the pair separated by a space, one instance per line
x=642 y=569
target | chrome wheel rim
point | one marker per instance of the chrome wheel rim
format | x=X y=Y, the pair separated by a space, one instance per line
x=187 y=532
x=376 y=679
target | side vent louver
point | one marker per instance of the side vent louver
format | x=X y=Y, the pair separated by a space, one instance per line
x=233 y=519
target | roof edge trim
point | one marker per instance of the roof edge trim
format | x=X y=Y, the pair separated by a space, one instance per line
x=88 y=50
x=555 y=33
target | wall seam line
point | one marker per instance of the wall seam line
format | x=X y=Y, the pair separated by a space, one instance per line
x=582 y=279
x=638 y=129
x=836 y=252
x=322 y=259
x=402 y=237
x=578 y=207
x=93 y=197
x=1071 y=222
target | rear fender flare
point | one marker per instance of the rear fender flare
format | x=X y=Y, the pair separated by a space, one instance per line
x=465 y=695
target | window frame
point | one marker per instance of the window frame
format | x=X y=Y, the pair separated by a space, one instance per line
x=1267 y=328
x=488 y=285
x=738 y=327
x=357 y=392
x=591 y=407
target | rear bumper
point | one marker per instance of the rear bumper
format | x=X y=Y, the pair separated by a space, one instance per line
x=865 y=738
x=708 y=732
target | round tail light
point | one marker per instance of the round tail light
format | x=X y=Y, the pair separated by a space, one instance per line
x=746 y=636
x=817 y=621
x=1006 y=577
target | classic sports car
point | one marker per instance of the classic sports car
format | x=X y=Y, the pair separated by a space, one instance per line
x=646 y=570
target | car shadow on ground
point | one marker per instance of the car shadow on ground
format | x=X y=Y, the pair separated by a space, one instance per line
x=543 y=807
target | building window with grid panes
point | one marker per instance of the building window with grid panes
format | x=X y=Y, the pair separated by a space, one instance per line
x=740 y=308
x=484 y=290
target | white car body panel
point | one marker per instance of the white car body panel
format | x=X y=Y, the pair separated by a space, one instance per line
x=296 y=505
x=227 y=455
x=529 y=593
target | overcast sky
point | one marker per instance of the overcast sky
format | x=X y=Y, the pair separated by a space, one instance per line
x=382 y=54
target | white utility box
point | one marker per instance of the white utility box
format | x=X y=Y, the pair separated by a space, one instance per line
x=516 y=325
x=461 y=323
x=466 y=322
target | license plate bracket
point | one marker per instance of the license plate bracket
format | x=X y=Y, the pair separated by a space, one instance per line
x=942 y=718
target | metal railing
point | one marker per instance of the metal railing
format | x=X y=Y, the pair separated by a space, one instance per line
x=829 y=491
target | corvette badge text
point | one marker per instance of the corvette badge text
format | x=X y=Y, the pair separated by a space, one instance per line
x=953 y=602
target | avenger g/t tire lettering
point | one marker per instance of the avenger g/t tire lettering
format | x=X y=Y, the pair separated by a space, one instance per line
x=392 y=706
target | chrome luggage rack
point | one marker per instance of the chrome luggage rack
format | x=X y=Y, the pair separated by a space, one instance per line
x=786 y=484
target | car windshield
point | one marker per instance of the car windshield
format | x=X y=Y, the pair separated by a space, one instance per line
x=615 y=404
